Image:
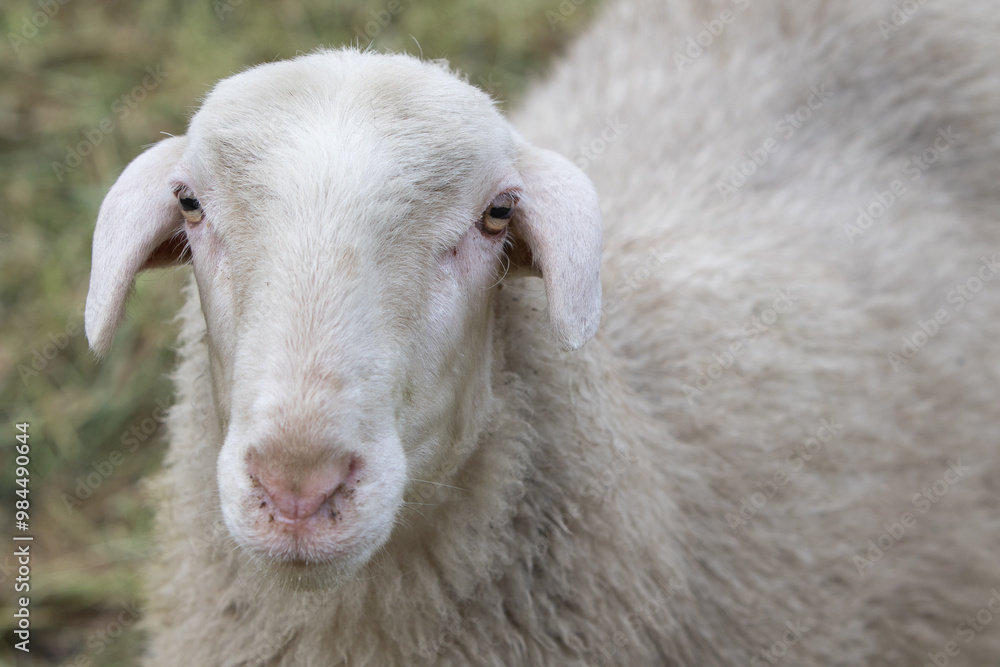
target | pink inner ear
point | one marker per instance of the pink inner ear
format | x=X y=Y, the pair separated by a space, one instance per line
x=172 y=252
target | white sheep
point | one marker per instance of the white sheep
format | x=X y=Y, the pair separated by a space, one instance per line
x=780 y=447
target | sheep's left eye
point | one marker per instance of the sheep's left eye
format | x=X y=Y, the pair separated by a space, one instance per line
x=497 y=215
x=190 y=206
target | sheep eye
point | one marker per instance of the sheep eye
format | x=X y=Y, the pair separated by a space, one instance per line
x=190 y=206
x=497 y=215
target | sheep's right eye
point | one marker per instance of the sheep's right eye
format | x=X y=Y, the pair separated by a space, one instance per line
x=190 y=206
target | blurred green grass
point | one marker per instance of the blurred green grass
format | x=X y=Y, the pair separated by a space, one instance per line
x=64 y=69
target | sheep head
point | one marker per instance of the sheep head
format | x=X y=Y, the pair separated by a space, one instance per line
x=347 y=216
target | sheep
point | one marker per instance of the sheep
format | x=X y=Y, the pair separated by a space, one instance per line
x=392 y=446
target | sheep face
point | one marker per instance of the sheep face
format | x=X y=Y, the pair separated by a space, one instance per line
x=347 y=216
x=356 y=345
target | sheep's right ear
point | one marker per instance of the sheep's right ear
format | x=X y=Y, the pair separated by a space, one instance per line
x=137 y=228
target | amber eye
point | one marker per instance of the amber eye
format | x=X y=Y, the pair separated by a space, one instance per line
x=190 y=206
x=497 y=215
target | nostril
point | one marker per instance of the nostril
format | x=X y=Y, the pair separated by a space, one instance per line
x=294 y=506
x=298 y=492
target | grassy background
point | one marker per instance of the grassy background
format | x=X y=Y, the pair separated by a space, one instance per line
x=69 y=72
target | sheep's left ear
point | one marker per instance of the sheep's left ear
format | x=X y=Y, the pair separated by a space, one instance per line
x=558 y=233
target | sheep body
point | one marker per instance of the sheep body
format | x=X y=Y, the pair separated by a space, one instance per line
x=711 y=480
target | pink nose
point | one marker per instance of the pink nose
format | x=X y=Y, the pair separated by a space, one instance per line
x=300 y=494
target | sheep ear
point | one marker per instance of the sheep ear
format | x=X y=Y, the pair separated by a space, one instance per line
x=137 y=228
x=558 y=234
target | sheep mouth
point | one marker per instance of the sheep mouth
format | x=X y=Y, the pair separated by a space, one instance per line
x=319 y=560
x=318 y=552
x=329 y=534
